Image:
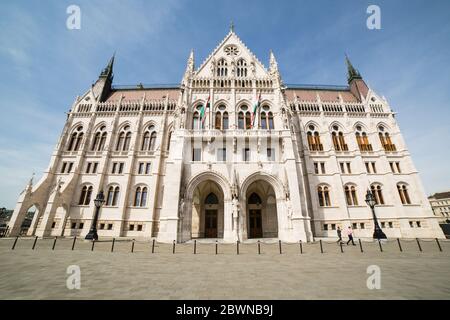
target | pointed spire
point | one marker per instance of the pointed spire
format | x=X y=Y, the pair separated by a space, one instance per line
x=273 y=62
x=189 y=66
x=352 y=73
x=231 y=26
x=108 y=71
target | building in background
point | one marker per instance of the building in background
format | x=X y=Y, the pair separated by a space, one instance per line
x=230 y=153
x=440 y=203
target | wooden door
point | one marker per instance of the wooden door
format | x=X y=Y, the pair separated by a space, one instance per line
x=255 y=223
x=210 y=223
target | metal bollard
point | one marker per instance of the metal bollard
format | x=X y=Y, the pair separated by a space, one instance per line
x=173 y=249
x=381 y=247
x=439 y=245
x=132 y=246
x=259 y=247
x=216 y=246
x=34 y=243
x=112 y=245
x=54 y=243
x=93 y=243
x=418 y=244
x=279 y=245
x=237 y=247
x=399 y=245
x=14 y=244
x=360 y=245
x=321 y=248
x=301 y=247
x=195 y=246
x=73 y=243
x=153 y=246
x=340 y=244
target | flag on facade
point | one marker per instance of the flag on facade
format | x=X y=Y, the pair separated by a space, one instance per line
x=255 y=109
x=203 y=111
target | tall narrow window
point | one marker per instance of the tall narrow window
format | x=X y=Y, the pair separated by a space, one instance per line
x=126 y=145
x=96 y=142
x=241 y=70
x=314 y=139
x=225 y=121
x=152 y=141
x=241 y=120
x=144 y=197
x=324 y=196
x=149 y=139
x=403 y=193
x=385 y=139
x=75 y=139
x=378 y=193
x=137 y=197
x=362 y=139
x=195 y=120
x=248 y=120
x=337 y=137
x=120 y=141
x=116 y=196
x=222 y=68
x=78 y=141
x=102 y=143
x=82 y=195
x=350 y=195
x=218 y=122
x=109 y=198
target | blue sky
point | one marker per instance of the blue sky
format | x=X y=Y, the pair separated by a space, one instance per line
x=44 y=66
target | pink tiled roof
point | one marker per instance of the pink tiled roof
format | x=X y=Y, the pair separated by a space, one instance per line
x=150 y=94
x=325 y=95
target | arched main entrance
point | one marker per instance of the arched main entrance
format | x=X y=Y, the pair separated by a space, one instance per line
x=262 y=220
x=207 y=211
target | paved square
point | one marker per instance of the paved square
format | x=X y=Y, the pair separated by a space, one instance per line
x=41 y=273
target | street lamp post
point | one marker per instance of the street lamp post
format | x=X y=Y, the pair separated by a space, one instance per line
x=370 y=200
x=99 y=201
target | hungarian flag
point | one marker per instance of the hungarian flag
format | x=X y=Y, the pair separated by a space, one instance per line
x=255 y=108
x=203 y=111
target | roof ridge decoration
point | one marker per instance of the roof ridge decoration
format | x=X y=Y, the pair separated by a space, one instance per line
x=230 y=33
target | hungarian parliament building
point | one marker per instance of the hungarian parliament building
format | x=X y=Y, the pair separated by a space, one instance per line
x=231 y=153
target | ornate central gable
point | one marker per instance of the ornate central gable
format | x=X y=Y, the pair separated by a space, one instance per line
x=227 y=57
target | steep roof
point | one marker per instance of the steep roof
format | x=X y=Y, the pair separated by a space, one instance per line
x=138 y=94
x=440 y=195
x=325 y=93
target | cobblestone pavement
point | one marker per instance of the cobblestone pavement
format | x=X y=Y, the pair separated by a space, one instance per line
x=41 y=273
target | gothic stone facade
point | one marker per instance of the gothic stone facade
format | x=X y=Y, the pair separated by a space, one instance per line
x=196 y=161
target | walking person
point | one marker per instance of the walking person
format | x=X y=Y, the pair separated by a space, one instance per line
x=339 y=234
x=350 y=235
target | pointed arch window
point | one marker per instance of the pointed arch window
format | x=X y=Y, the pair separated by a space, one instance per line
x=362 y=139
x=221 y=118
x=241 y=68
x=75 y=139
x=254 y=199
x=113 y=196
x=85 y=195
x=241 y=121
x=211 y=199
x=124 y=139
x=140 y=197
x=313 y=137
x=266 y=118
x=338 y=139
x=222 y=68
x=149 y=139
x=385 y=139
x=323 y=193
x=403 y=193
x=99 y=140
x=377 y=192
x=350 y=195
